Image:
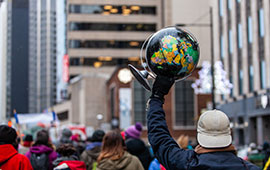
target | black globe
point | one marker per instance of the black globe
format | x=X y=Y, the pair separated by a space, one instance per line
x=172 y=52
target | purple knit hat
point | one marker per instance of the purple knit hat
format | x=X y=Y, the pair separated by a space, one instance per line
x=134 y=131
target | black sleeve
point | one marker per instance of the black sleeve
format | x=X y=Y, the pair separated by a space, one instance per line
x=168 y=153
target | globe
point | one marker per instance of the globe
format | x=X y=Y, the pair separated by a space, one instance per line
x=172 y=52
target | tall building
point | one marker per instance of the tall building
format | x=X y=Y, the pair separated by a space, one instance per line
x=109 y=33
x=242 y=44
x=30 y=55
x=42 y=55
x=3 y=58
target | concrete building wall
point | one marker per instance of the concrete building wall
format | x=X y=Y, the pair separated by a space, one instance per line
x=194 y=12
x=246 y=60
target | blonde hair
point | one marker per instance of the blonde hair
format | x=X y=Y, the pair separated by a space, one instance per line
x=182 y=141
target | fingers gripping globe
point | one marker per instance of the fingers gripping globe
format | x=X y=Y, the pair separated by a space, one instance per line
x=172 y=52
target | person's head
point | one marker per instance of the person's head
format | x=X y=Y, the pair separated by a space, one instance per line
x=134 y=131
x=213 y=130
x=182 y=141
x=27 y=140
x=97 y=136
x=42 y=138
x=112 y=146
x=8 y=135
x=66 y=150
x=66 y=133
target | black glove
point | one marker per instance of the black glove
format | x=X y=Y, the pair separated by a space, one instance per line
x=161 y=87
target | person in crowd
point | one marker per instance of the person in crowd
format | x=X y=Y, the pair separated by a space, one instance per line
x=255 y=156
x=65 y=137
x=67 y=158
x=78 y=143
x=26 y=144
x=183 y=142
x=266 y=152
x=91 y=153
x=9 y=156
x=113 y=155
x=136 y=146
x=42 y=154
x=215 y=150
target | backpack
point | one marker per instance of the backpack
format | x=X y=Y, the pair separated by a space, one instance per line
x=40 y=161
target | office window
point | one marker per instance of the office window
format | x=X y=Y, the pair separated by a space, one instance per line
x=251 y=78
x=249 y=29
x=221 y=7
x=104 y=44
x=184 y=103
x=112 y=9
x=74 y=26
x=140 y=99
x=241 y=82
x=229 y=4
x=112 y=96
x=262 y=74
x=240 y=36
x=261 y=22
x=230 y=42
x=222 y=47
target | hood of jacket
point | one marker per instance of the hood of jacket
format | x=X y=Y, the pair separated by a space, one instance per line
x=94 y=152
x=121 y=163
x=135 y=146
x=40 y=149
x=64 y=158
x=6 y=151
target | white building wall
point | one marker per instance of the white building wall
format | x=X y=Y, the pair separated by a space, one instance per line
x=3 y=55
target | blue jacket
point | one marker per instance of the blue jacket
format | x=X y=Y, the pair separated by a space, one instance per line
x=172 y=157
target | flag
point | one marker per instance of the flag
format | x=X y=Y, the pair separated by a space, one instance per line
x=16 y=117
x=54 y=116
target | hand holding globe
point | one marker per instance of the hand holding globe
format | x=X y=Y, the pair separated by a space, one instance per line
x=170 y=52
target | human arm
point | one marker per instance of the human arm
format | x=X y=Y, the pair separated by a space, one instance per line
x=165 y=148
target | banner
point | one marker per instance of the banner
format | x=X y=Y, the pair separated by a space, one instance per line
x=25 y=118
x=125 y=107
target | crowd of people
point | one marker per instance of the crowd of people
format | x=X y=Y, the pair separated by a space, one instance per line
x=126 y=150
x=102 y=151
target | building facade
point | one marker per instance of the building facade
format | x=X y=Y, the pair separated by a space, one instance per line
x=3 y=58
x=42 y=54
x=242 y=44
x=109 y=33
x=30 y=51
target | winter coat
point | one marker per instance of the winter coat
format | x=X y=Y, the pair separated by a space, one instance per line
x=126 y=162
x=71 y=165
x=11 y=159
x=137 y=147
x=90 y=155
x=173 y=157
x=43 y=149
x=155 y=165
x=64 y=158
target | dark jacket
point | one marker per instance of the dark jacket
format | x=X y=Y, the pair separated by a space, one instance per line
x=137 y=147
x=90 y=155
x=43 y=149
x=11 y=159
x=126 y=162
x=172 y=157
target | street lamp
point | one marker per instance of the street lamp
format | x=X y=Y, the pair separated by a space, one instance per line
x=212 y=50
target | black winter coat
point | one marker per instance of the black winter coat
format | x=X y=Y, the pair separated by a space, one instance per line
x=172 y=157
x=137 y=147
